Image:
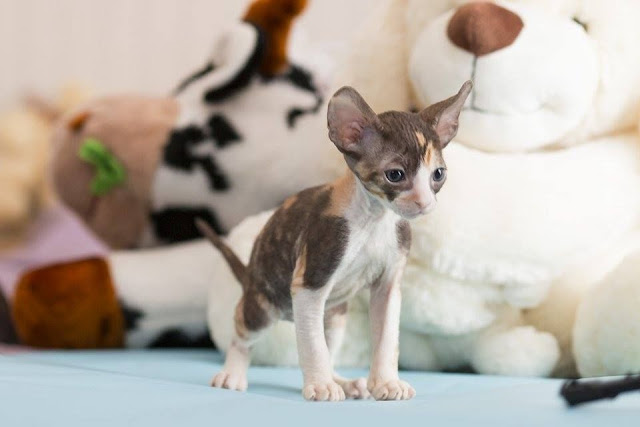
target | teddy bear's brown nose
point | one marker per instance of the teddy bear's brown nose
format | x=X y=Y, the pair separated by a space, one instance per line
x=483 y=27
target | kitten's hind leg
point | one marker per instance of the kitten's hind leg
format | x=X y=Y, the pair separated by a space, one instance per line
x=335 y=322
x=253 y=316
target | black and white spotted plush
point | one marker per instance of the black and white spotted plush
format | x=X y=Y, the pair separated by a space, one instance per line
x=240 y=144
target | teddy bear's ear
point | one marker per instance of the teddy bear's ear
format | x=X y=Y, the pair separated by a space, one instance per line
x=443 y=116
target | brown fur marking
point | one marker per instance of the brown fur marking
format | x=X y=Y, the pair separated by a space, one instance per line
x=341 y=193
x=403 y=230
x=297 y=282
x=422 y=141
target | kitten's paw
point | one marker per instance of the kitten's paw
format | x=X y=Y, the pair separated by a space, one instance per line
x=390 y=389
x=230 y=380
x=323 y=391
x=355 y=388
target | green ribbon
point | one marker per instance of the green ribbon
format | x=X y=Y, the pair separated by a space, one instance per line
x=109 y=172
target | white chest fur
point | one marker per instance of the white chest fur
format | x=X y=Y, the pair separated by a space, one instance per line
x=372 y=251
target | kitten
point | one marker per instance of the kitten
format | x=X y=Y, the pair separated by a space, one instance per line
x=326 y=243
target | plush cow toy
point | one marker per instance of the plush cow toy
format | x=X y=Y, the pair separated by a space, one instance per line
x=137 y=170
x=215 y=150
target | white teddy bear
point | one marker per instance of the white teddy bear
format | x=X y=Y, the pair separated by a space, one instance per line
x=542 y=193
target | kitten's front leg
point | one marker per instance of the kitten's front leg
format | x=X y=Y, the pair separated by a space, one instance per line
x=313 y=353
x=384 y=312
x=335 y=322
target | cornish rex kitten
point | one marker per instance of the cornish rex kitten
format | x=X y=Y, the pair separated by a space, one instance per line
x=326 y=243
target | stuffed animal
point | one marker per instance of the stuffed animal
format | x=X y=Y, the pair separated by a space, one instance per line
x=221 y=148
x=543 y=190
x=606 y=334
x=138 y=170
x=60 y=287
x=57 y=290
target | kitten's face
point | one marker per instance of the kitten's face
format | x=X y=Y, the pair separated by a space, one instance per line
x=403 y=166
x=397 y=156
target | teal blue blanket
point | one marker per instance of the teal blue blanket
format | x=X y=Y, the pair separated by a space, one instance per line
x=170 y=388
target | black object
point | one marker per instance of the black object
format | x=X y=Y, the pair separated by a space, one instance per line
x=243 y=77
x=177 y=224
x=208 y=68
x=577 y=392
x=177 y=154
x=7 y=331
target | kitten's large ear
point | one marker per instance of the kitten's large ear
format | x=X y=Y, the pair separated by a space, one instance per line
x=443 y=115
x=348 y=116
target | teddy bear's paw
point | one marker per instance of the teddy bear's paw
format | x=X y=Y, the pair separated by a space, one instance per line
x=354 y=388
x=230 y=380
x=526 y=294
x=521 y=351
x=394 y=389
x=323 y=391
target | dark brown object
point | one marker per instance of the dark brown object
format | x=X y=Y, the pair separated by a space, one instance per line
x=69 y=306
x=7 y=332
x=274 y=18
x=482 y=28
x=577 y=392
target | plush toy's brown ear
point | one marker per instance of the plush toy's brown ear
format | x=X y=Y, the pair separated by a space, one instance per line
x=76 y=121
x=70 y=305
x=274 y=18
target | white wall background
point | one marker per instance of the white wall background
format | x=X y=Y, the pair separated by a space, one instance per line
x=133 y=45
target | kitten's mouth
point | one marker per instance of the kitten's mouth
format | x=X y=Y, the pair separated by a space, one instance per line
x=415 y=214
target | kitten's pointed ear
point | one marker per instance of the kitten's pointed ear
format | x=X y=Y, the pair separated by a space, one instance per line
x=348 y=117
x=443 y=115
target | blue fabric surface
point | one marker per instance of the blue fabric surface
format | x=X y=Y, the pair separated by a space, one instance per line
x=170 y=388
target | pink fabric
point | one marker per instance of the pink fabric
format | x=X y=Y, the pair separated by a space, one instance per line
x=13 y=349
x=56 y=236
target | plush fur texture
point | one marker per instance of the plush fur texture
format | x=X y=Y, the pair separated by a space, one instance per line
x=24 y=154
x=23 y=148
x=607 y=327
x=542 y=188
x=163 y=290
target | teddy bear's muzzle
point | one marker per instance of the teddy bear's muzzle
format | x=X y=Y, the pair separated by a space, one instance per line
x=482 y=28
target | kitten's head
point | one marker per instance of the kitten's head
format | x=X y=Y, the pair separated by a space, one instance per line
x=397 y=156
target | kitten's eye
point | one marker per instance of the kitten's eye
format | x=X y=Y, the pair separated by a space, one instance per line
x=394 y=175
x=581 y=23
x=439 y=174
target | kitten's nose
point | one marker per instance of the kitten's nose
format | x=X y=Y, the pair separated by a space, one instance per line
x=422 y=205
x=483 y=27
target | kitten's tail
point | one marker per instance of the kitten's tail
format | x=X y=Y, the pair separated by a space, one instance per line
x=237 y=267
